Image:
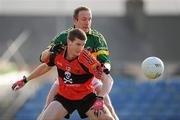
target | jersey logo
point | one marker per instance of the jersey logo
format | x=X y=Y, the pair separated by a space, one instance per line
x=67 y=77
x=68 y=67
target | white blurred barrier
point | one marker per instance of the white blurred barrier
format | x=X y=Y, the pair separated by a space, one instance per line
x=60 y=7
x=13 y=48
x=99 y=7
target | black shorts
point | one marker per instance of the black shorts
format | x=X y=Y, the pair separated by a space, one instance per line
x=82 y=106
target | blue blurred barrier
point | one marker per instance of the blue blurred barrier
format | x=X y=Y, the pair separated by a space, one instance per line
x=132 y=100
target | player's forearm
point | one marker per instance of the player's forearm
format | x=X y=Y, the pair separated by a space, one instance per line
x=107 y=85
x=38 y=71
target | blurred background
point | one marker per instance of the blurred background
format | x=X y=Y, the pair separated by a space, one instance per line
x=134 y=30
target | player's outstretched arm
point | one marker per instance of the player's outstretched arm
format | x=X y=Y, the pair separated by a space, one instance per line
x=38 y=71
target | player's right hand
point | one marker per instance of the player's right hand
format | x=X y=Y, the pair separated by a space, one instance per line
x=19 y=84
x=57 y=48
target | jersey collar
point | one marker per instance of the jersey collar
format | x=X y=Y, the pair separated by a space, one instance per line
x=89 y=32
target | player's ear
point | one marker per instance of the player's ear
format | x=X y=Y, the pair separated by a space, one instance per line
x=74 y=19
x=69 y=42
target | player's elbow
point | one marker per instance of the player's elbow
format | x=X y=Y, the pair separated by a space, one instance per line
x=111 y=80
x=108 y=80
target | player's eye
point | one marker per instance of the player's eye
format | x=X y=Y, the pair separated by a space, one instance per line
x=89 y=19
x=78 y=44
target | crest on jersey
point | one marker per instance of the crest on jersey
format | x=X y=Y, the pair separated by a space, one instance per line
x=67 y=77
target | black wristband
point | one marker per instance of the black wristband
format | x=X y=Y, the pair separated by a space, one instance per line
x=106 y=71
x=40 y=58
x=106 y=67
x=100 y=97
x=25 y=79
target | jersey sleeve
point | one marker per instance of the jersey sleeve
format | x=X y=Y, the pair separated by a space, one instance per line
x=51 y=61
x=91 y=63
x=101 y=51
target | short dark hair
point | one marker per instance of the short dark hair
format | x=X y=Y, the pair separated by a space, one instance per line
x=77 y=33
x=77 y=10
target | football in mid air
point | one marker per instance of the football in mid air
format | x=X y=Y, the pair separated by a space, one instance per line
x=152 y=67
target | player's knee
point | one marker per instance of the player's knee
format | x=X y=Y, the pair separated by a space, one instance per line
x=109 y=118
x=109 y=107
x=105 y=117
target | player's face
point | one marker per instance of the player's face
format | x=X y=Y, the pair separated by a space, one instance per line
x=84 y=20
x=75 y=47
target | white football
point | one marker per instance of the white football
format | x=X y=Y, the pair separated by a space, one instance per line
x=152 y=67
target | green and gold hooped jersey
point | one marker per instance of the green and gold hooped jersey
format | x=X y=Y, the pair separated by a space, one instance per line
x=96 y=44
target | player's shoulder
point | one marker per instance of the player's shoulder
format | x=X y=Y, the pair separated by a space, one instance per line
x=63 y=35
x=85 y=52
x=90 y=63
x=96 y=33
x=66 y=31
x=86 y=57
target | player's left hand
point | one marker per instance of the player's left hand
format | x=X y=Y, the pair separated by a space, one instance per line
x=98 y=106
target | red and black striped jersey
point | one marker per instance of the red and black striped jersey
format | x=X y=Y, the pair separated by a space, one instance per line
x=75 y=77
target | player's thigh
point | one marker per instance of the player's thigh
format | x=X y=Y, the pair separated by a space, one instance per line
x=105 y=114
x=97 y=84
x=108 y=103
x=52 y=93
x=55 y=110
x=54 y=87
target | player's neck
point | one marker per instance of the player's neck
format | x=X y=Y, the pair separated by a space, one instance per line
x=69 y=55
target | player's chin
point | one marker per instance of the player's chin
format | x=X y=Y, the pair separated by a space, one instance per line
x=86 y=30
x=77 y=53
